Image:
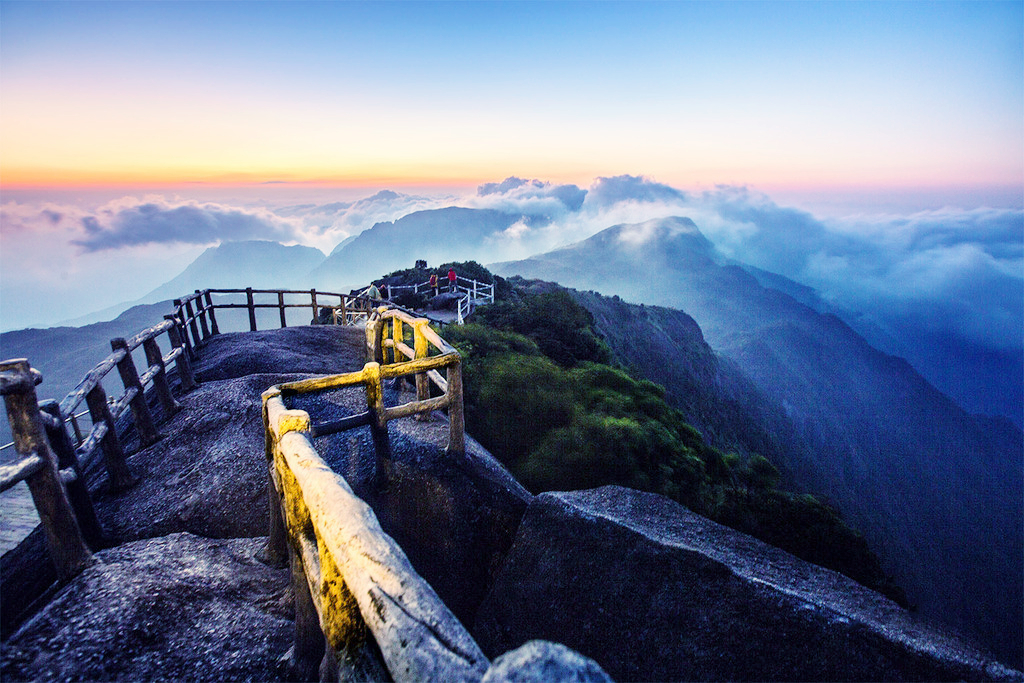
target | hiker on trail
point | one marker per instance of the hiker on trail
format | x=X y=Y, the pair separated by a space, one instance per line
x=451 y=279
x=433 y=283
x=373 y=292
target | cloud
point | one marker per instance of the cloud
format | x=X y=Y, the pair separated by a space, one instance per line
x=605 y=192
x=528 y=197
x=124 y=224
x=948 y=271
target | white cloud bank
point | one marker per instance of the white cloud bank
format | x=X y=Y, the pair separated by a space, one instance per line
x=948 y=270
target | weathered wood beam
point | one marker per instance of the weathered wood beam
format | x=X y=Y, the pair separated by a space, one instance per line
x=148 y=434
x=68 y=549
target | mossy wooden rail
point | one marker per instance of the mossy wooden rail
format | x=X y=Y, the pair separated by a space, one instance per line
x=347 y=574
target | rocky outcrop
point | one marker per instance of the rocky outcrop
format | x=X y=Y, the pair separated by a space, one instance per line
x=173 y=608
x=541 y=661
x=652 y=591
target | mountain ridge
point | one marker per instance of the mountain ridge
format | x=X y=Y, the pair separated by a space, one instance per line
x=881 y=442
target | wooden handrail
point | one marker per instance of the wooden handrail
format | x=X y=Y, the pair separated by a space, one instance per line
x=347 y=574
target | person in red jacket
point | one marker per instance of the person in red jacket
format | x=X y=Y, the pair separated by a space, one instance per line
x=451 y=279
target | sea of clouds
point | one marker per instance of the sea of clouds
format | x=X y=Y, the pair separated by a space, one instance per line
x=955 y=270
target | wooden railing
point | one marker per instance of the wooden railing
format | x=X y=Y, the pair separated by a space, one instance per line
x=52 y=463
x=348 y=575
x=351 y=580
x=196 y=315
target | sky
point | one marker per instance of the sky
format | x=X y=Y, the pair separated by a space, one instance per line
x=783 y=96
x=872 y=150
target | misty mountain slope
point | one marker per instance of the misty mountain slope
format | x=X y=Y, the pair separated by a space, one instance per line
x=666 y=346
x=258 y=264
x=65 y=354
x=937 y=497
x=437 y=236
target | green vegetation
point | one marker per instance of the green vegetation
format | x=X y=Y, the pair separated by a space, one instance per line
x=541 y=395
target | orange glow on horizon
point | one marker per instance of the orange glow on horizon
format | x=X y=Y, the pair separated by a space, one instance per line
x=419 y=176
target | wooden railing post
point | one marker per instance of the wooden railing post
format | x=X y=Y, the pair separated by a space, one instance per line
x=277 y=537
x=77 y=430
x=312 y=302
x=280 y=307
x=252 y=309
x=214 y=330
x=374 y=351
x=113 y=452
x=378 y=424
x=179 y=323
x=182 y=362
x=397 y=336
x=201 y=309
x=78 y=492
x=192 y=323
x=130 y=379
x=309 y=645
x=160 y=386
x=68 y=549
x=344 y=314
x=422 y=381
x=456 y=419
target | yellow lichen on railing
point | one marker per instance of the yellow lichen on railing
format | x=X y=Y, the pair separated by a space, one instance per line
x=357 y=576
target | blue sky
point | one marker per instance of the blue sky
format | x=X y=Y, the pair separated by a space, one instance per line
x=778 y=95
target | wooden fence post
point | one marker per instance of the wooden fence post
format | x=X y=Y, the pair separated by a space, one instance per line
x=422 y=381
x=397 y=336
x=252 y=309
x=378 y=425
x=312 y=302
x=113 y=452
x=456 y=420
x=182 y=362
x=277 y=537
x=201 y=309
x=140 y=409
x=77 y=430
x=374 y=353
x=68 y=549
x=192 y=324
x=309 y=645
x=213 y=316
x=280 y=307
x=160 y=386
x=179 y=323
x=78 y=492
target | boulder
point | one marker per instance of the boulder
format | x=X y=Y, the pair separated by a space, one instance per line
x=447 y=301
x=173 y=608
x=652 y=591
x=316 y=349
x=207 y=476
x=454 y=515
x=540 y=661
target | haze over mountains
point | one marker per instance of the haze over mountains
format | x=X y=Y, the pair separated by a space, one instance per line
x=798 y=307
x=937 y=491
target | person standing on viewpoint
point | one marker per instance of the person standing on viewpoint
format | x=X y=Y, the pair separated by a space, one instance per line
x=451 y=279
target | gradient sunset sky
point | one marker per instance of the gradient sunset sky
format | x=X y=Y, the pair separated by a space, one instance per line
x=780 y=96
